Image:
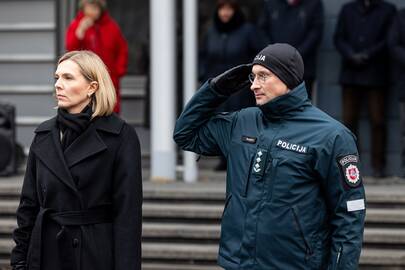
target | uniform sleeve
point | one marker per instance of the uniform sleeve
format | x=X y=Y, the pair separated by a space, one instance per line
x=339 y=167
x=72 y=43
x=26 y=213
x=199 y=130
x=127 y=203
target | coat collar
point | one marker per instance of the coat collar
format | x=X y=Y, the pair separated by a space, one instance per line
x=286 y=105
x=49 y=150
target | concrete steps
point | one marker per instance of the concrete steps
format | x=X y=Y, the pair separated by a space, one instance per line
x=210 y=232
x=181 y=224
x=189 y=211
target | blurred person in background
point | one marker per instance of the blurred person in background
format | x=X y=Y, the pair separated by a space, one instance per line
x=396 y=44
x=229 y=41
x=93 y=29
x=361 y=39
x=298 y=23
x=81 y=200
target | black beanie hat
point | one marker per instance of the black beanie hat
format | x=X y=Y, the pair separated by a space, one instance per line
x=284 y=61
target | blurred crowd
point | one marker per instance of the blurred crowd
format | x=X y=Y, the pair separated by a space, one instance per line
x=369 y=36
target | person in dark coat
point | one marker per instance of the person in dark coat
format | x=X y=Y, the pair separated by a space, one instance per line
x=294 y=192
x=228 y=42
x=396 y=44
x=81 y=200
x=361 y=39
x=298 y=23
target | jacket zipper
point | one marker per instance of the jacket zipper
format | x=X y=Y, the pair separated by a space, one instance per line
x=309 y=251
x=338 y=257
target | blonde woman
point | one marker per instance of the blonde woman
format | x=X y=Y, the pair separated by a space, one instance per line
x=81 y=200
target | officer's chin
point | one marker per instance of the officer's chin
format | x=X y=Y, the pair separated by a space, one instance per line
x=261 y=101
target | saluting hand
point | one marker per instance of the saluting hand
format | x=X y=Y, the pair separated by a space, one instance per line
x=232 y=80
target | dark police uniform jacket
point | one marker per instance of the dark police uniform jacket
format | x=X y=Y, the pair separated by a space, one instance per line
x=81 y=209
x=294 y=194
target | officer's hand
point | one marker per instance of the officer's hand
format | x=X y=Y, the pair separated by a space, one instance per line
x=20 y=266
x=232 y=80
x=359 y=58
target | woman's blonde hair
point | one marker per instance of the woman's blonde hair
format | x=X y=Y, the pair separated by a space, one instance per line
x=93 y=69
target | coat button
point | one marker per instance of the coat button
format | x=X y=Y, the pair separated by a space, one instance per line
x=75 y=242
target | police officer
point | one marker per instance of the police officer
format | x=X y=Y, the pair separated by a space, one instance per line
x=294 y=193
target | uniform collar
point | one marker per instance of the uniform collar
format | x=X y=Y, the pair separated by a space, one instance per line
x=286 y=105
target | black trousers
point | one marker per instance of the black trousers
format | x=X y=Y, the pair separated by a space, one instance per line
x=353 y=97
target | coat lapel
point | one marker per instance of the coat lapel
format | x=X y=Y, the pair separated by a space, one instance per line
x=86 y=145
x=49 y=151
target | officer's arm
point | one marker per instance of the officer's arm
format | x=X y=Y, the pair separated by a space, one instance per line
x=198 y=129
x=338 y=166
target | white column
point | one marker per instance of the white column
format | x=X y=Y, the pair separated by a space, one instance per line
x=163 y=154
x=190 y=173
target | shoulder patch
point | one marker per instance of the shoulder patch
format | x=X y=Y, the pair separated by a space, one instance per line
x=349 y=166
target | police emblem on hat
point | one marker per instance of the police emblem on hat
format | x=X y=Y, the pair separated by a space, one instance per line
x=350 y=170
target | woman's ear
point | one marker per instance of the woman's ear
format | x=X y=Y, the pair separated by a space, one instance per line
x=93 y=87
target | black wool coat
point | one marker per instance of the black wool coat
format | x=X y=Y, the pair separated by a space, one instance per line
x=82 y=209
x=364 y=30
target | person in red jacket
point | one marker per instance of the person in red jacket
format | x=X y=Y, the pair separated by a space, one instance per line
x=93 y=29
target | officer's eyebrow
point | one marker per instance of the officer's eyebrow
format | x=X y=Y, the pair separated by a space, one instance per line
x=261 y=73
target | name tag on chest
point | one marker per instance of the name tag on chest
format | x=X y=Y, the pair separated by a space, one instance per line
x=292 y=146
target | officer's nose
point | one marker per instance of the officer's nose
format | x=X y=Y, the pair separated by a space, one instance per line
x=254 y=85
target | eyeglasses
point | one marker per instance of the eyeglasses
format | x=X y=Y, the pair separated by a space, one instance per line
x=260 y=77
